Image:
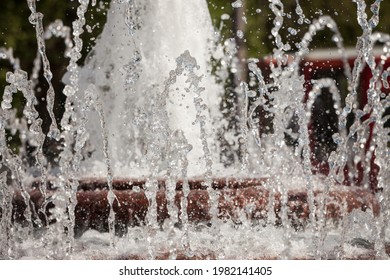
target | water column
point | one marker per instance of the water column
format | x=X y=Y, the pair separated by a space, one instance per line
x=146 y=103
x=129 y=64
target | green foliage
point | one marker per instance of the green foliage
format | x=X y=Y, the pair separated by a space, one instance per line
x=260 y=21
x=18 y=33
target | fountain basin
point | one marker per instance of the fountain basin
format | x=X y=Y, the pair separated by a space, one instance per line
x=249 y=197
x=239 y=200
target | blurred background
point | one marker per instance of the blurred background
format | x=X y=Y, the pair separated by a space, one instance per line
x=248 y=23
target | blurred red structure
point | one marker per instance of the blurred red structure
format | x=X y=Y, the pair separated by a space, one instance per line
x=328 y=63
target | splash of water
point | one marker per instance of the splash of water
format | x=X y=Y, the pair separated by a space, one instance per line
x=125 y=62
x=135 y=109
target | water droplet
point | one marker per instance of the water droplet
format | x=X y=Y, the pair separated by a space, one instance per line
x=292 y=31
x=237 y=4
x=225 y=16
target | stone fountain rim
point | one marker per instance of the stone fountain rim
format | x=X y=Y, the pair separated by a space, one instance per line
x=198 y=183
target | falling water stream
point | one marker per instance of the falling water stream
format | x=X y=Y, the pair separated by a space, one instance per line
x=146 y=105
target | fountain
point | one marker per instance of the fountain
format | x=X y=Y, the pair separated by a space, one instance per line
x=150 y=167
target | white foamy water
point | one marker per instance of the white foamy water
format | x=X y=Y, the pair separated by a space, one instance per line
x=130 y=69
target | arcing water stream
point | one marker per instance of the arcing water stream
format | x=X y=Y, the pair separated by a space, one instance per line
x=146 y=106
